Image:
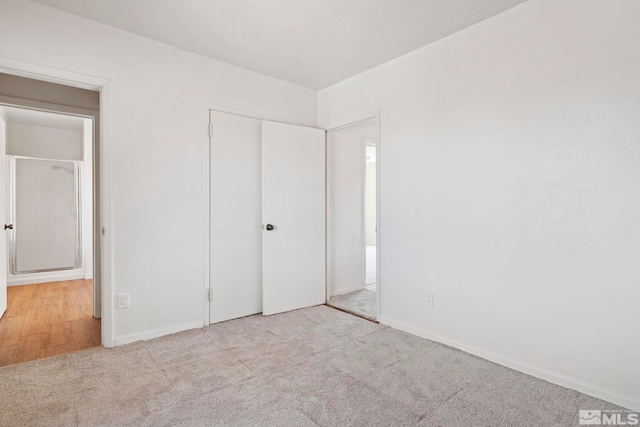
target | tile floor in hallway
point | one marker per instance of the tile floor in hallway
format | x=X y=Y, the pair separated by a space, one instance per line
x=47 y=319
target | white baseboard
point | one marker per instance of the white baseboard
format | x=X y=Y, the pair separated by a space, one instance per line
x=155 y=333
x=48 y=276
x=625 y=400
x=347 y=290
x=88 y=276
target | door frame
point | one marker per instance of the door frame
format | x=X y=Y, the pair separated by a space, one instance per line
x=102 y=150
x=339 y=124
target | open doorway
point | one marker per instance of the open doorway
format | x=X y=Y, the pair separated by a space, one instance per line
x=352 y=242
x=370 y=215
x=47 y=175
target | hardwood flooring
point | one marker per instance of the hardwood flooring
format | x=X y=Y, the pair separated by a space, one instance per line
x=47 y=319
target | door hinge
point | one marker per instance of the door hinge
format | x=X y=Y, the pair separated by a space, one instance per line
x=210 y=129
x=210 y=295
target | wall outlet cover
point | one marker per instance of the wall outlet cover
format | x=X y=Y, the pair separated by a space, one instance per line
x=123 y=300
x=429 y=299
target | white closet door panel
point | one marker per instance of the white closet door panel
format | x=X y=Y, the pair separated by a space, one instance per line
x=235 y=219
x=293 y=168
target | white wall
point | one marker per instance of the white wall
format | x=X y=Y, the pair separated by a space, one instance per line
x=160 y=98
x=512 y=152
x=45 y=142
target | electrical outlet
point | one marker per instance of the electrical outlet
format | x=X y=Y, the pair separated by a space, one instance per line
x=123 y=300
x=428 y=299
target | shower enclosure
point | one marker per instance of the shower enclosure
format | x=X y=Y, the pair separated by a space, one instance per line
x=45 y=215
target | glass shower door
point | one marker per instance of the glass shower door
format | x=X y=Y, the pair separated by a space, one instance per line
x=46 y=219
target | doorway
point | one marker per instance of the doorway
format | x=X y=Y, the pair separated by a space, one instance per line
x=48 y=181
x=352 y=219
x=370 y=215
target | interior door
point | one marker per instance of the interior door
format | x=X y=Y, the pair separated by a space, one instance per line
x=235 y=217
x=293 y=188
x=3 y=218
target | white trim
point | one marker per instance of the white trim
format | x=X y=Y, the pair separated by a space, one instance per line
x=363 y=243
x=45 y=277
x=206 y=214
x=105 y=86
x=354 y=120
x=327 y=259
x=49 y=74
x=106 y=253
x=609 y=395
x=88 y=276
x=253 y=115
x=348 y=290
x=378 y=234
x=155 y=333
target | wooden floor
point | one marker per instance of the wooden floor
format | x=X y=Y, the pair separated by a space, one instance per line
x=47 y=319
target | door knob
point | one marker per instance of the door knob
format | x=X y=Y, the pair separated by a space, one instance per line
x=270 y=227
x=9 y=226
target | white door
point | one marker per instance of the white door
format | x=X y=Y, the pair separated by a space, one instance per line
x=235 y=217
x=293 y=188
x=3 y=218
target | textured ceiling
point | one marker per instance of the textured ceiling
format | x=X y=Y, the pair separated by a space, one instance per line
x=313 y=43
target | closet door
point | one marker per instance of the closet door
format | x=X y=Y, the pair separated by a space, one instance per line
x=235 y=217
x=293 y=189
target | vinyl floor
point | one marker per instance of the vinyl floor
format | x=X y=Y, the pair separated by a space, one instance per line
x=47 y=319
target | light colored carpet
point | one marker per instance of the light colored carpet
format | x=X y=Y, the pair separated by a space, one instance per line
x=361 y=303
x=370 y=265
x=311 y=367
